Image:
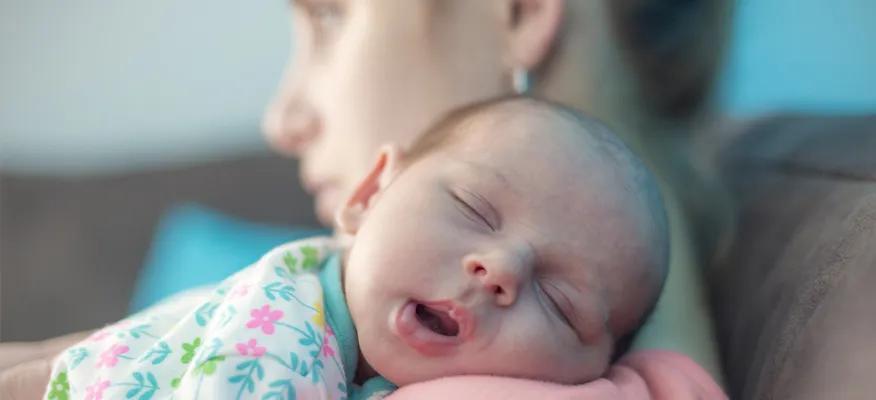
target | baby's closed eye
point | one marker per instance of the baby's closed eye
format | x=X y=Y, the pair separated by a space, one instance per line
x=474 y=207
x=559 y=302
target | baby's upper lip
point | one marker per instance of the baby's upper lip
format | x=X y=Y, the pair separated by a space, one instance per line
x=426 y=338
x=458 y=312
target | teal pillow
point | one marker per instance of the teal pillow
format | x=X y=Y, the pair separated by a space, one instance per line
x=802 y=56
x=195 y=245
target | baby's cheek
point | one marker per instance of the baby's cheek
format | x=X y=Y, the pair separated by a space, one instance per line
x=557 y=356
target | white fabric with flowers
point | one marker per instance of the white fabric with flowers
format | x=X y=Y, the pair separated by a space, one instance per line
x=279 y=329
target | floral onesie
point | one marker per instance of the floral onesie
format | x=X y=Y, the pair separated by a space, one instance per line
x=279 y=329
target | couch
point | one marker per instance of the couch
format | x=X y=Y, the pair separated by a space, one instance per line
x=793 y=282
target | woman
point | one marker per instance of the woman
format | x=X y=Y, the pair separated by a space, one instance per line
x=369 y=72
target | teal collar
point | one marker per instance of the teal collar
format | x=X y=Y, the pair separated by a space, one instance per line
x=338 y=315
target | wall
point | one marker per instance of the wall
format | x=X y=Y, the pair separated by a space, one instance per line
x=801 y=55
x=98 y=85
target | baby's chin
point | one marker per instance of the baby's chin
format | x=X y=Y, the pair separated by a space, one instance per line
x=407 y=370
x=400 y=366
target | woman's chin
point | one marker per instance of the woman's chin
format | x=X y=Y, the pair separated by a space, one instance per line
x=326 y=203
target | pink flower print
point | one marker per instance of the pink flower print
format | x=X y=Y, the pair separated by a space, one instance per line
x=239 y=290
x=327 y=349
x=328 y=330
x=264 y=318
x=95 y=391
x=110 y=356
x=250 y=348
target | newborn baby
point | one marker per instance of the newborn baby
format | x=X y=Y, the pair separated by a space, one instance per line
x=515 y=238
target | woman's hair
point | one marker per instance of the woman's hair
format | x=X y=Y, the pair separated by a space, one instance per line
x=674 y=48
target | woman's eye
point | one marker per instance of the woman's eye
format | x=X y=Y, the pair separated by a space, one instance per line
x=471 y=212
x=325 y=18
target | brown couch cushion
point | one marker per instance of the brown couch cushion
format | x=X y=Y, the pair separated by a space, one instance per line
x=793 y=290
x=71 y=247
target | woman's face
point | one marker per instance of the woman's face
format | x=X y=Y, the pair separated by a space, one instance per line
x=368 y=72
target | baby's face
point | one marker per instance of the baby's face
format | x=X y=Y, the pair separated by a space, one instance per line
x=485 y=258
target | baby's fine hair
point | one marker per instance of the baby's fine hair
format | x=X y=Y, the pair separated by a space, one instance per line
x=637 y=182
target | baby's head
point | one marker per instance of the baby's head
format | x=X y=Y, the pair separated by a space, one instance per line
x=516 y=238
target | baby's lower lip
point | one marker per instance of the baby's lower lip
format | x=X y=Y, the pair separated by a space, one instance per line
x=426 y=342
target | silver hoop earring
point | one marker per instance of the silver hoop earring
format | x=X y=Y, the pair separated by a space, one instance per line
x=520 y=80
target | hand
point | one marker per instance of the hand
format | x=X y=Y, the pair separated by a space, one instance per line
x=25 y=381
x=25 y=367
x=14 y=353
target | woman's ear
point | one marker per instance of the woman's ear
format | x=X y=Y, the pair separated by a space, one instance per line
x=350 y=215
x=533 y=26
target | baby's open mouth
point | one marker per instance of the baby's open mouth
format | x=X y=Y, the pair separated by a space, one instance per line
x=433 y=328
x=436 y=320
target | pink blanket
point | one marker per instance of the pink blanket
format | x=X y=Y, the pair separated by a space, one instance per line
x=647 y=374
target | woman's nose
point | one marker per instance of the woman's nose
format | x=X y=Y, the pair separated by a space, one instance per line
x=500 y=274
x=291 y=125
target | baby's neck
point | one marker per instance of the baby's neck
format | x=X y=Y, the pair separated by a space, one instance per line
x=364 y=371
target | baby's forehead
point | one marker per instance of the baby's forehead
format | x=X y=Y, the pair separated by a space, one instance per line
x=547 y=155
x=535 y=133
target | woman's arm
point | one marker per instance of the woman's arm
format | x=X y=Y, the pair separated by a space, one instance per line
x=25 y=366
x=641 y=375
x=14 y=353
x=25 y=381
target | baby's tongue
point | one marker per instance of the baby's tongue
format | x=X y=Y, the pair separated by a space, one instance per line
x=437 y=321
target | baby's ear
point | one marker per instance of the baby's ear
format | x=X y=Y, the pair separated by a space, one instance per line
x=350 y=215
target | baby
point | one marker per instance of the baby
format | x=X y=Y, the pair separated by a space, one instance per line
x=515 y=238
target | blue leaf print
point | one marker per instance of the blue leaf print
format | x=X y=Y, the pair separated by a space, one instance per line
x=282 y=273
x=244 y=365
x=133 y=392
x=77 y=355
x=141 y=387
x=228 y=315
x=310 y=337
x=281 y=386
x=141 y=330
x=151 y=379
x=260 y=372
x=293 y=358
x=275 y=289
x=205 y=313
x=245 y=380
x=160 y=353
x=314 y=369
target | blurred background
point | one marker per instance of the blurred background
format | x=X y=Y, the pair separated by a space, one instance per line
x=129 y=135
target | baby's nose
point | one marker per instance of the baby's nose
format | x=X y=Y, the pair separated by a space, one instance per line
x=500 y=279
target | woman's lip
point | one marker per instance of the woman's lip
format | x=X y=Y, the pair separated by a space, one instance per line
x=407 y=327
